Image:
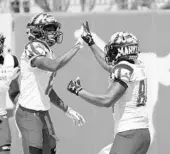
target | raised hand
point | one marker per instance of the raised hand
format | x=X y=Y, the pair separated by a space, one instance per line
x=74 y=86
x=86 y=34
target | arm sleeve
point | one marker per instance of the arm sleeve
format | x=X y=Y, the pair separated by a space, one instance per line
x=16 y=63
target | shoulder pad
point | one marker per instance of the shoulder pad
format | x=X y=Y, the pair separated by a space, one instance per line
x=35 y=49
x=10 y=60
x=123 y=71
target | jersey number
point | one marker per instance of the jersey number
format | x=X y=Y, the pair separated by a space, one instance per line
x=50 y=83
x=142 y=94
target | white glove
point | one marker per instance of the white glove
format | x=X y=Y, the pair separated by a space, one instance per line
x=77 y=35
x=76 y=117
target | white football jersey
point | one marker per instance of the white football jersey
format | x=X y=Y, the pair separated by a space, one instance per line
x=8 y=72
x=130 y=111
x=35 y=84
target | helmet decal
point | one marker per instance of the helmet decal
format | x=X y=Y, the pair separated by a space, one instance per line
x=121 y=45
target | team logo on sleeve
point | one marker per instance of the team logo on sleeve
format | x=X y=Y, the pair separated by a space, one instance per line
x=123 y=72
x=35 y=49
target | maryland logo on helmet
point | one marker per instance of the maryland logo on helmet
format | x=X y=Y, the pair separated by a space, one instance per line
x=122 y=45
x=126 y=43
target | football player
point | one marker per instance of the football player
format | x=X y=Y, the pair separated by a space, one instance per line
x=38 y=70
x=9 y=70
x=126 y=94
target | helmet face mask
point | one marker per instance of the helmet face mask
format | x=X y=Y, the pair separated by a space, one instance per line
x=52 y=34
x=122 y=45
x=46 y=28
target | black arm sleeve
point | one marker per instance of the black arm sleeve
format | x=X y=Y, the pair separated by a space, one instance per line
x=14 y=86
x=56 y=100
x=16 y=63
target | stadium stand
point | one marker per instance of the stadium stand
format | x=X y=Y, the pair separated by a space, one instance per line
x=35 y=6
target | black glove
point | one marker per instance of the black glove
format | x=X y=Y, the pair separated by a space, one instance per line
x=86 y=36
x=74 y=86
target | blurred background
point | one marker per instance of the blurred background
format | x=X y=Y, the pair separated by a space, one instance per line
x=32 y=6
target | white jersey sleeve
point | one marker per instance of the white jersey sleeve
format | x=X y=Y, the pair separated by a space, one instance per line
x=34 y=50
x=123 y=72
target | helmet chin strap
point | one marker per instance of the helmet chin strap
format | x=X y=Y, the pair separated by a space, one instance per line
x=50 y=43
